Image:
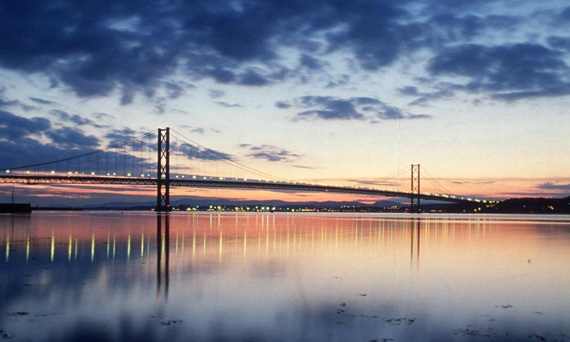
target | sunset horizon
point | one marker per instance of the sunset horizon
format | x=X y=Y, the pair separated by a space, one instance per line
x=326 y=92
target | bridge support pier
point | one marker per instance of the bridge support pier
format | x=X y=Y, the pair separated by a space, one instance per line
x=163 y=171
x=415 y=197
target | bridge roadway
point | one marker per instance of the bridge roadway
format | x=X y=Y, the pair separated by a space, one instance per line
x=215 y=182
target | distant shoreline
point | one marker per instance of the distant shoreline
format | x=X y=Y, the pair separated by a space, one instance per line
x=15 y=208
x=509 y=206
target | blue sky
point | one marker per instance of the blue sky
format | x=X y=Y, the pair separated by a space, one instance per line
x=346 y=92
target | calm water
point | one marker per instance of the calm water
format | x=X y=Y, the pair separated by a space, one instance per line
x=271 y=277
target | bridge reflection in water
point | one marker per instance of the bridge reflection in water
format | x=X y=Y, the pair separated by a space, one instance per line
x=201 y=237
x=269 y=238
x=415 y=242
x=162 y=247
x=198 y=240
x=269 y=275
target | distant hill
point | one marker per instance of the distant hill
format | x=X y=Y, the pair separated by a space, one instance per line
x=526 y=205
x=531 y=205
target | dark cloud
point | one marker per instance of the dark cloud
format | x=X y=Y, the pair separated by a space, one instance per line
x=252 y=78
x=419 y=116
x=310 y=62
x=216 y=93
x=201 y=153
x=282 y=104
x=92 y=47
x=8 y=103
x=36 y=145
x=198 y=130
x=508 y=72
x=26 y=151
x=449 y=28
x=558 y=42
x=552 y=186
x=4 y=102
x=73 y=118
x=173 y=90
x=68 y=156
x=14 y=128
x=333 y=108
x=41 y=101
x=67 y=138
x=410 y=90
x=374 y=183
x=101 y=116
x=23 y=141
x=329 y=108
x=228 y=105
x=247 y=77
x=270 y=153
x=119 y=136
x=565 y=15
x=304 y=167
x=442 y=91
x=372 y=29
x=98 y=48
x=222 y=75
x=485 y=182
x=338 y=82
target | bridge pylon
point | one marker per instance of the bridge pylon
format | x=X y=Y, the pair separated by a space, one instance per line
x=163 y=171
x=415 y=196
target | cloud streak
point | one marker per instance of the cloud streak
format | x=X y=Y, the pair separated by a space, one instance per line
x=200 y=153
x=334 y=108
x=270 y=153
x=553 y=186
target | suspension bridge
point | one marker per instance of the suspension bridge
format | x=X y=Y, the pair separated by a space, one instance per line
x=152 y=159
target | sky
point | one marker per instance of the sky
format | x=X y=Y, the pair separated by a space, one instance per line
x=325 y=91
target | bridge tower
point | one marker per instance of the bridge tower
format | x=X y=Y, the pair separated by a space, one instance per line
x=415 y=197
x=163 y=171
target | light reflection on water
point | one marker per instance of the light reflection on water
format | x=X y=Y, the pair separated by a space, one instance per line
x=196 y=277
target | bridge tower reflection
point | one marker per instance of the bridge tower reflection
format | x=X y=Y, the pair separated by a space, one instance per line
x=162 y=248
x=415 y=224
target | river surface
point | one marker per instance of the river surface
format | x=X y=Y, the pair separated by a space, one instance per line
x=131 y=276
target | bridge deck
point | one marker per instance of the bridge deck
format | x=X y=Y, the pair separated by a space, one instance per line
x=210 y=182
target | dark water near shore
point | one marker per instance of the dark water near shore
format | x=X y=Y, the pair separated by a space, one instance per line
x=283 y=277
